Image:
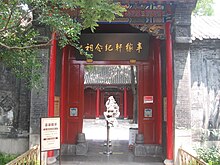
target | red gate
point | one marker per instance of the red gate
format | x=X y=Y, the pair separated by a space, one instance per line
x=72 y=97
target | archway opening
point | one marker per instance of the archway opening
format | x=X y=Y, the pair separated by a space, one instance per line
x=101 y=82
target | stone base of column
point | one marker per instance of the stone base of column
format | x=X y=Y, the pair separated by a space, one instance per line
x=139 y=150
x=82 y=148
x=168 y=162
x=82 y=145
x=51 y=160
x=68 y=149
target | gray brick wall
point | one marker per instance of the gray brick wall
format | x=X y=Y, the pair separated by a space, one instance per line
x=181 y=58
x=182 y=22
x=182 y=86
x=205 y=87
x=39 y=100
x=14 y=101
x=181 y=68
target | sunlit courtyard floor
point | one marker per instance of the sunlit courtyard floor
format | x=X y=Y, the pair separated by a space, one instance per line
x=95 y=129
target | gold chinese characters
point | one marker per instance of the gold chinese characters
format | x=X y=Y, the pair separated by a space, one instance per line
x=117 y=47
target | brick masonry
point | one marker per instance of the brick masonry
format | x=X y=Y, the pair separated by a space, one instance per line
x=181 y=58
x=181 y=69
x=196 y=84
x=39 y=100
x=205 y=88
x=14 y=102
x=182 y=87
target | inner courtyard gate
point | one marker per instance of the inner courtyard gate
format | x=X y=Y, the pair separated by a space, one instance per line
x=148 y=83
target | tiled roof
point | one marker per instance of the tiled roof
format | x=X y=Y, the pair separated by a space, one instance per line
x=111 y=74
x=205 y=27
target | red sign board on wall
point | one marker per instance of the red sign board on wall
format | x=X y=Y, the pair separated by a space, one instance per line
x=148 y=99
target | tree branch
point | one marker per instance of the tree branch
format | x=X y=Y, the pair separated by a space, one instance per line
x=25 y=47
x=8 y=20
x=19 y=22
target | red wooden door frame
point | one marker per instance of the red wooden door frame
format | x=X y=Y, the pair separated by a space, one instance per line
x=64 y=96
x=71 y=97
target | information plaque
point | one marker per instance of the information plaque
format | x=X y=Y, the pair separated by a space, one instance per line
x=50 y=134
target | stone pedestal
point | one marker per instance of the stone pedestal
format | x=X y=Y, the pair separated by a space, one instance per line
x=139 y=139
x=139 y=148
x=81 y=149
x=82 y=145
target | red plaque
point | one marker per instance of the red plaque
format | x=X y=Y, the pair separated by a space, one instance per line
x=148 y=99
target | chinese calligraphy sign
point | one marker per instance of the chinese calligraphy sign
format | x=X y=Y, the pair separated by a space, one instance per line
x=115 y=46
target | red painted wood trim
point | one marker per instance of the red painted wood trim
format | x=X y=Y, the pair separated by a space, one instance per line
x=97 y=102
x=125 y=103
x=63 y=93
x=140 y=96
x=81 y=105
x=52 y=74
x=159 y=89
x=169 y=86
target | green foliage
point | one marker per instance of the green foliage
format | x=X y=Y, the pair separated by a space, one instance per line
x=19 y=39
x=204 y=8
x=210 y=135
x=5 y=158
x=209 y=155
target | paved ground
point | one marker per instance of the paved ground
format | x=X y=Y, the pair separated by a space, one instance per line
x=95 y=131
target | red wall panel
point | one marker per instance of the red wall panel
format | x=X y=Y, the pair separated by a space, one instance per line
x=146 y=87
x=75 y=90
x=90 y=104
x=74 y=83
x=149 y=132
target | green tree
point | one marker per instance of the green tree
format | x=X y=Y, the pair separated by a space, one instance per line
x=204 y=8
x=20 y=40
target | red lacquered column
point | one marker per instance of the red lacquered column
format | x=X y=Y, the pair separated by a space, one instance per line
x=97 y=102
x=125 y=104
x=52 y=74
x=159 y=89
x=169 y=86
x=63 y=93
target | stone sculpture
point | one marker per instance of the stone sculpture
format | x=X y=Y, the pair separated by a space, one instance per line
x=112 y=111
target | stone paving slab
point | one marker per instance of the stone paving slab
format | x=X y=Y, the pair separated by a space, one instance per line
x=121 y=155
x=95 y=131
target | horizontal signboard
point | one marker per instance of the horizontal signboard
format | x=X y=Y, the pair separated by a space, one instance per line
x=115 y=46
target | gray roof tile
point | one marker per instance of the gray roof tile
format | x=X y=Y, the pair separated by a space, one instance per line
x=109 y=74
x=205 y=27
